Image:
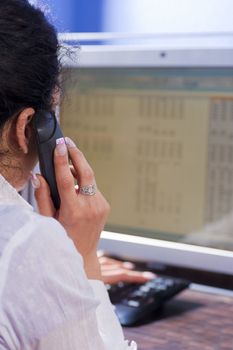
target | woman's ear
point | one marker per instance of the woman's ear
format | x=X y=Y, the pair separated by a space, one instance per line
x=22 y=128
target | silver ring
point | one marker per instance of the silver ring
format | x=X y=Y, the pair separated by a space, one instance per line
x=89 y=190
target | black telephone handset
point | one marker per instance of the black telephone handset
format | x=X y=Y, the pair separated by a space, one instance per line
x=47 y=130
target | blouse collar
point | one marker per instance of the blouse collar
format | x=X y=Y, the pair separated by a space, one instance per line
x=9 y=195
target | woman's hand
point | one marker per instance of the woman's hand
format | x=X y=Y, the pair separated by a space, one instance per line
x=82 y=216
x=115 y=271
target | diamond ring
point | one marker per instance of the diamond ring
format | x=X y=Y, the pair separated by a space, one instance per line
x=89 y=190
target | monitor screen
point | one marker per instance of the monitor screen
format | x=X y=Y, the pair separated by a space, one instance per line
x=160 y=140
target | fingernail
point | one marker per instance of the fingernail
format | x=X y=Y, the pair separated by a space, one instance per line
x=128 y=265
x=148 y=274
x=35 y=181
x=70 y=143
x=61 y=148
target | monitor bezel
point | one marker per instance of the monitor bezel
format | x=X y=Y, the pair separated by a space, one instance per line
x=118 y=56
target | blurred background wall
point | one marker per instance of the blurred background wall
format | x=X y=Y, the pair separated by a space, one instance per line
x=159 y=16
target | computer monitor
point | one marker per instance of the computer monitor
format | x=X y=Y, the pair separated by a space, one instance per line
x=157 y=128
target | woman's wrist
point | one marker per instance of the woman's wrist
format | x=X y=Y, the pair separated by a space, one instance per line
x=92 y=267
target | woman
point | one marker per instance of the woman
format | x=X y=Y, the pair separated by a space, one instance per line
x=51 y=293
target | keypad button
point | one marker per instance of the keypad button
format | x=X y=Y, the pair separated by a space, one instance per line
x=133 y=303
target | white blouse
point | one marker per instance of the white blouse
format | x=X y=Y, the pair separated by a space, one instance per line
x=46 y=300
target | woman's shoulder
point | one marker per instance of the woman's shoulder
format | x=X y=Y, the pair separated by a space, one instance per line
x=25 y=229
x=39 y=245
x=45 y=238
x=39 y=250
x=43 y=282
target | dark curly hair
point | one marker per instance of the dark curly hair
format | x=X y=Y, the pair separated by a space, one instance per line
x=29 y=64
